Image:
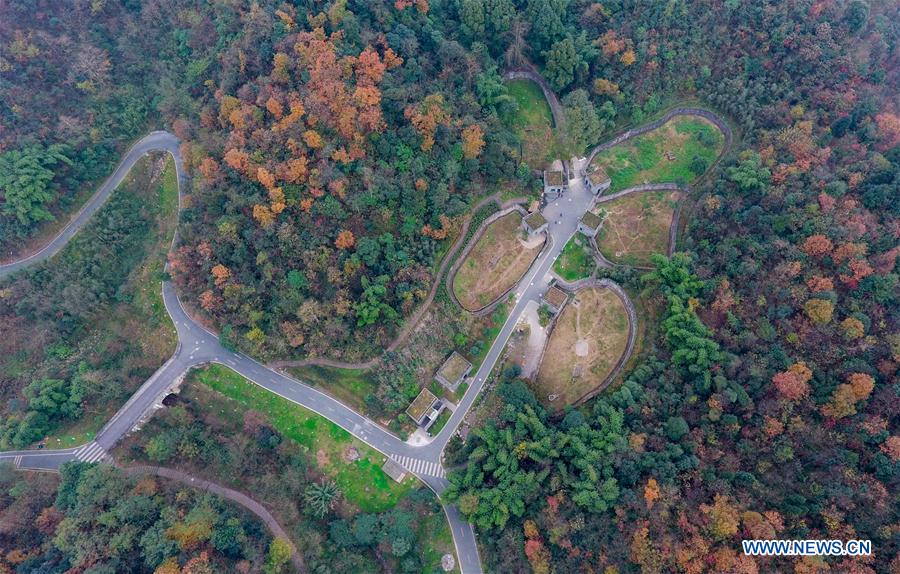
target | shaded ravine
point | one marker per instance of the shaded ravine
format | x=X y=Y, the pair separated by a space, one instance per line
x=233 y=495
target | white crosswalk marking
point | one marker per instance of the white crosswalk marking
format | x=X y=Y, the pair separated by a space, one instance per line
x=91 y=452
x=419 y=466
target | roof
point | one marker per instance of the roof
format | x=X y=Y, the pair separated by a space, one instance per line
x=591 y=220
x=454 y=368
x=535 y=220
x=394 y=470
x=555 y=296
x=421 y=405
x=554 y=178
x=597 y=175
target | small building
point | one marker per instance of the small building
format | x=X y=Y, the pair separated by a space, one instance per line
x=555 y=298
x=555 y=182
x=394 y=470
x=453 y=371
x=590 y=224
x=534 y=223
x=596 y=179
x=425 y=408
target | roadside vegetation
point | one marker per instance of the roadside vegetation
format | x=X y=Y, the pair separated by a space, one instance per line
x=350 y=386
x=84 y=329
x=94 y=518
x=312 y=474
x=383 y=392
x=576 y=260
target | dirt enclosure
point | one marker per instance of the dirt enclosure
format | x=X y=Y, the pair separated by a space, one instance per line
x=497 y=261
x=589 y=337
x=637 y=227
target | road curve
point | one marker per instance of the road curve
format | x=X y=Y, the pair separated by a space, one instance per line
x=154 y=141
x=198 y=346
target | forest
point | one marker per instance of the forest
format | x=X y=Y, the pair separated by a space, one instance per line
x=96 y=519
x=335 y=148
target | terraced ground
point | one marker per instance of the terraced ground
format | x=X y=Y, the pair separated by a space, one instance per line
x=588 y=339
x=679 y=151
x=497 y=261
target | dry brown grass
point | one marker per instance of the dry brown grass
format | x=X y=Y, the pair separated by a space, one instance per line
x=586 y=342
x=637 y=227
x=496 y=262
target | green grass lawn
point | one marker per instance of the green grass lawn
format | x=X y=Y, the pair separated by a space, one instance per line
x=532 y=121
x=575 y=262
x=533 y=109
x=362 y=482
x=440 y=422
x=350 y=386
x=643 y=159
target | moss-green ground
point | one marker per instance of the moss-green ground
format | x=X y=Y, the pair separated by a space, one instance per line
x=575 y=262
x=643 y=158
x=363 y=482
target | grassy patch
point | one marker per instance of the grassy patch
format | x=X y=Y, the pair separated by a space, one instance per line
x=533 y=123
x=533 y=109
x=644 y=159
x=211 y=435
x=587 y=341
x=637 y=227
x=575 y=262
x=496 y=262
x=440 y=422
x=489 y=333
x=362 y=482
x=435 y=529
x=350 y=386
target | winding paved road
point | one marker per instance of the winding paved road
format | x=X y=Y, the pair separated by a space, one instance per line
x=154 y=141
x=198 y=346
